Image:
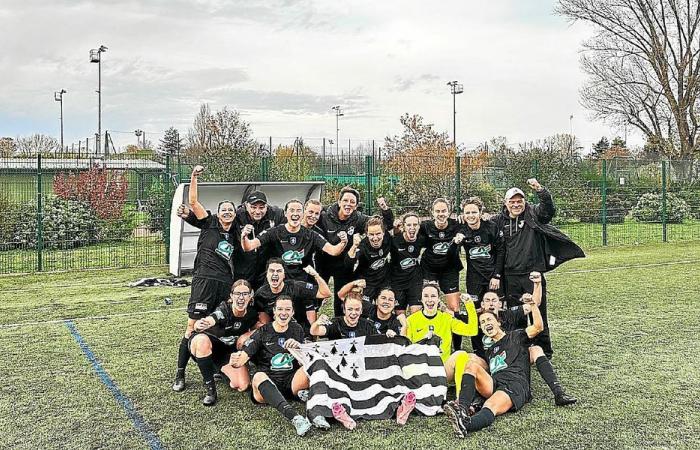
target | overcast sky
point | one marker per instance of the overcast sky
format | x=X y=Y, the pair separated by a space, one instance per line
x=284 y=64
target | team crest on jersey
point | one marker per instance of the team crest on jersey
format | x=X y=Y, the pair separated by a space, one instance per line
x=293 y=257
x=351 y=231
x=236 y=325
x=482 y=251
x=281 y=341
x=378 y=264
x=293 y=240
x=377 y=325
x=442 y=235
x=477 y=239
x=411 y=248
x=281 y=361
x=381 y=252
x=351 y=334
x=441 y=248
x=431 y=328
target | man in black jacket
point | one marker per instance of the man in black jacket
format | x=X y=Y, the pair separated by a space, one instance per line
x=532 y=245
x=342 y=221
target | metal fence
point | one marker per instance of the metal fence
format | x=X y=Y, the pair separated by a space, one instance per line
x=78 y=213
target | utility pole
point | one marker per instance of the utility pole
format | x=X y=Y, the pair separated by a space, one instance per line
x=95 y=57
x=455 y=88
x=58 y=96
x=338 y=114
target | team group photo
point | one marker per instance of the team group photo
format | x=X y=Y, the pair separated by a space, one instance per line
x=316 y=225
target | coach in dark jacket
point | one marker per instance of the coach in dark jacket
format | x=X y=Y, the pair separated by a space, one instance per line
x=339 y=222
x=532 y=245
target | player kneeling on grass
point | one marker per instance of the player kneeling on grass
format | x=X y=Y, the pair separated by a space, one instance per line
x=510 y=318
x=221 y=333
x=508 y=386
x=432 y=322
x=278 y=375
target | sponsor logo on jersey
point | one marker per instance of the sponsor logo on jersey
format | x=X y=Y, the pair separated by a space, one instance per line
x=487 y=341
x=228 y=340
x=200 y=307
x=293 y=240
x=441 y=248
x=378 y=264
x=498 y=362
x=407 y=263
x=225 y=250
x=482 y=251
x=293 y=257
x=281 y=361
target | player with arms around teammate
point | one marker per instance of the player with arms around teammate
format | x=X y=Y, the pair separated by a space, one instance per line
x=292 y=242
x=406 y=275
x=507 y=387
x=350 y=325
x=371 y=254
x=213 y=271
x=220 y=334
x=278 y=376
x=382 y=314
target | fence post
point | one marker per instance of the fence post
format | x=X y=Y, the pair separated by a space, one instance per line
x=264 y=168
x=458 y=183
x=166 y=219
x=368 y=182
x=604 y=200
x=39 y=217
x=663 y=202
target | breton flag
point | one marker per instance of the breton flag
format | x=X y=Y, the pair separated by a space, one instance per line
x=370 y=375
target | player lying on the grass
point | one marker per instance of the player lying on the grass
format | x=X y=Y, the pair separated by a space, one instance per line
x=433 y=322
x=221 y=333
x=302 y=294
x=371 y=254
x=350 y=325
x=382 y=312
x=213 y=273
x=440 y=261
x=507 y=387
x=510 y=320
x=406 y=275
x=278 y=377
x=293 y=243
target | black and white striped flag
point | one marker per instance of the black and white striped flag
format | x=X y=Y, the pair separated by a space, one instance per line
x=370 y=375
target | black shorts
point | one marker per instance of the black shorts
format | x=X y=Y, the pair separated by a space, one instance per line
x=282 y=381
x=448 y=280
x=220 y=352
x=517 y=390
x=409 y=296
x=205 y=296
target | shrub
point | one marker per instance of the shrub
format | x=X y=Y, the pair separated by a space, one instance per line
x=114 y=230
x=104 y=190
x=157 y=206
x=12 y=217
x=615 y=210
x=66 y=224
x=649 y=208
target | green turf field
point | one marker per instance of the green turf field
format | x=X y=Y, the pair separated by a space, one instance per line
x=625 y=323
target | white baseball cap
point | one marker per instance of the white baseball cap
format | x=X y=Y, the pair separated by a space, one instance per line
x=512 y=192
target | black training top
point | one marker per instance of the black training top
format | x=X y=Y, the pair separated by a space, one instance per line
x=266 y=348
x=338 y=329
x=369 y=311
x=440 y=253
x=302 y=293
x=509 y=358
x=296 y=249
x=372 y=263
x=404 y=261
x=485 y=250
x=229 y=327
x=250 y=265
x=215 y=248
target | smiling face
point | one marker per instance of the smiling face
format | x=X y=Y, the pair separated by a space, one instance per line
x=472 y=215
x=410 y=228
x=311 y=214
x=240 y=298
x=386 y=302
x=491 y=302
x=347 y=204
x=293 y=213
x=226 y=213
x=515 y=205
x=375 y=235
x=430 y=297
x=353 y=311
x=283 y=312
x=256 y=210
x=489 y=324
x=275 y=275
x=441 y=212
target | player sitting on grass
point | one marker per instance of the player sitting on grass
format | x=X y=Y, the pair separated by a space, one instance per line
x=385 y=319
x=510 y=318
x=350 y=325
x=431 y=322
x=507 y=387
x=221 y=333
x=278 y=376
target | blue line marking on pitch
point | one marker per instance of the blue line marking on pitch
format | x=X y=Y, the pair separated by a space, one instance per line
x=136 y=418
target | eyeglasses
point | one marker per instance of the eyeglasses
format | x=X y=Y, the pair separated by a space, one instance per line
x=240 y=294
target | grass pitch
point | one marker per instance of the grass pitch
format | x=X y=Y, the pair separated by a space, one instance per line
x=625 y=324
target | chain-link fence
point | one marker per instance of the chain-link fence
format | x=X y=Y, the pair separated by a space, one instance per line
x=65 y=214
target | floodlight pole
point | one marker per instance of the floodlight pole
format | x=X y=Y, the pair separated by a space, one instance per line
x=456 y=88
x=338 y=113
x=58 y=96
x=96 y=57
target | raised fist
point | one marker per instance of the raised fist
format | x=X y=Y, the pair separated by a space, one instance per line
x=197 y=171
x=534 y=184
x=459 y=237
x=381 y=201
x=343 y=236
x=535 y=277
x=247 y=230
x=311 y=271
x=361 y=284
x=356 y=239
x=183 y=211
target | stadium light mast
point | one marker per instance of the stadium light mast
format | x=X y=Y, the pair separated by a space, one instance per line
x=58 y=96
x=96 y=57
x=338 y=113
x=138 y=134
x=455 y=88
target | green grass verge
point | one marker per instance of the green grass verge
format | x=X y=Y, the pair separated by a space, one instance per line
x=623 y=339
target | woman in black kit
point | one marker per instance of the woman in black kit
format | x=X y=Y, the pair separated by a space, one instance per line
x=213 y=271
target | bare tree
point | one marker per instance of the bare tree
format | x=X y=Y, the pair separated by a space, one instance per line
x=220 y=130
x=644 y=67
x=35 y=144
x=7 y=147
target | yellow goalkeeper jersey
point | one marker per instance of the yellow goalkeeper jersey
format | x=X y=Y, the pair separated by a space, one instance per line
x=442 y=324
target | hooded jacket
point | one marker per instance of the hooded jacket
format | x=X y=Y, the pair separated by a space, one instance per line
x=252 y=264
x=532 y=244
